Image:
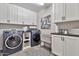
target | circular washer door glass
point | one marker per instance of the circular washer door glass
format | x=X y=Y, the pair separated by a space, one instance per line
x=13 y=41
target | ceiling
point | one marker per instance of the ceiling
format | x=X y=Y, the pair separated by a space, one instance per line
x=33 y=6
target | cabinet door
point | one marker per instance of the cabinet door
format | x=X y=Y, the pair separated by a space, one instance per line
x=3 y=12
x=13 y=16
x=59 y=12
x=29 y=17
x=71 y=46
x=26 y=16
x=72 y=11
x=20 y=15
x=57 y=45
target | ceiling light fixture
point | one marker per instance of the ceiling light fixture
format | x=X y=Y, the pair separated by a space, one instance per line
x=40 y=3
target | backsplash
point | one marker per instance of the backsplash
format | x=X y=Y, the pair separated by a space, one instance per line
x=69 y=25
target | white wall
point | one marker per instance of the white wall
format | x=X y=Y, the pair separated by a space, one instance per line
x=45 y=33
x=43 y=13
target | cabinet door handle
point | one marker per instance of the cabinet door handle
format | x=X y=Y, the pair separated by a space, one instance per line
x=63 y=17
x=62 y=38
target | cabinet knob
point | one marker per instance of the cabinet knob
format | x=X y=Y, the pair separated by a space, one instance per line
x=8 y=21
x=63 y=17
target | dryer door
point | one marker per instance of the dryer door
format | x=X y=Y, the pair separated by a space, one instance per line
x=35 y=39
x=13 y=41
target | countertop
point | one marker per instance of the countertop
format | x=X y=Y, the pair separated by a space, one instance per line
x=65 y=34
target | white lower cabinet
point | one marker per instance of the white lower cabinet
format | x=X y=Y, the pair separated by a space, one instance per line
x=65 y=45
x=71 y=46
x=57 y=45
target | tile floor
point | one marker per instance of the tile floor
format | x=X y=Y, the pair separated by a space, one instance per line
x=34 y=51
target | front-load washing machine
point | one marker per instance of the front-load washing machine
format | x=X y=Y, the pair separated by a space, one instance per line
x=12 y=42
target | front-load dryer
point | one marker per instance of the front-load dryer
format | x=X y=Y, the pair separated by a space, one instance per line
x=35 y=37
x=12 y=42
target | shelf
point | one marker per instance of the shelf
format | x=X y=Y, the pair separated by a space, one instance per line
x=26 y=40
x=26 y=45
x=65 y=21
x=18 y=24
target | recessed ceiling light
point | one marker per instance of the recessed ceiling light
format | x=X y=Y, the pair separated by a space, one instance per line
x=40 y=3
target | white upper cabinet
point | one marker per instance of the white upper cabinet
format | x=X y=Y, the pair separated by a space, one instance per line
x=66 y=12
x=3 y=12
x=13 y=14
x=20 y=15
x=26 y=16
x=59 y=12
x=72 y=11
x=29 y=17
x=8 y=13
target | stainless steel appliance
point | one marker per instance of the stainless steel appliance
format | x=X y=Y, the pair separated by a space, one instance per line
x=63 y=31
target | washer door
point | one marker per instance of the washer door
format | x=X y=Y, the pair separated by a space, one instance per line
x=13 y=41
